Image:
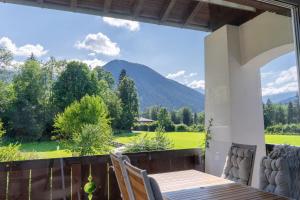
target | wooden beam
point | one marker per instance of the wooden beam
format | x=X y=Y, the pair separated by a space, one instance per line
x=73 y=3
x=107 y=5
x=196 y=9
x=168 y=10
x=137 y=8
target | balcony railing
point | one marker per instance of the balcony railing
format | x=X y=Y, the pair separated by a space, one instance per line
x=65 y=178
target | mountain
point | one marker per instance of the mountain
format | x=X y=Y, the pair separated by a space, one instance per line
x=290 y=99
x=280 y=98
x=155 y=89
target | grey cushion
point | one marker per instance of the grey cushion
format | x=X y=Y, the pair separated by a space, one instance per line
x=274 y=176
x=238 y=167
x=155 y=189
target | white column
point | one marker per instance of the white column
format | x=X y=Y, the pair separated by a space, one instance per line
x=233 y=100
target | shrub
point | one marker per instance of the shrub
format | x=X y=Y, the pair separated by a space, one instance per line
x=12 y=152
x=181 y=128
x=197 y=128
x=159 y=142
x=89 y=110
x=140 y=127
x=84 y=126
x=152 y=126
x=284 y=129
x=93 y=139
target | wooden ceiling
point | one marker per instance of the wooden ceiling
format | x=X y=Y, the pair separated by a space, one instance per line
x=206 y=15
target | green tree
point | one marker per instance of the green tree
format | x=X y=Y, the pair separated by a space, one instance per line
x=74 y=83
x=154 y=112
x=93 y=139
x=195 y=118
x=290 y=113
x=123 y=74
x=89 y=110
x=106 y=76
x=25 y=111
x=269 y=113
x=7 y=96
x=129 y=101
x=164 y=119
x=280 y=115
x=5 y=57
x=174 y=117
x=186 y=116
x=113 y=103
x=201 y=117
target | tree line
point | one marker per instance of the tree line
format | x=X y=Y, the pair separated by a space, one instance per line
x=41 y=91
x=172 y=120
x=281 y=113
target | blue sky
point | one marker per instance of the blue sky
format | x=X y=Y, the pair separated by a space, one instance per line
x=175 y=53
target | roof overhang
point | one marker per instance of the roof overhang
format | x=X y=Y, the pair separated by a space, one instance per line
x=205 y=15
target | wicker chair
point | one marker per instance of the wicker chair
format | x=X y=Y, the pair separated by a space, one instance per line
x=239 y=163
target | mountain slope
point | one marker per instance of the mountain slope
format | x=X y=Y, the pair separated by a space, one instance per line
x=280 y=98
x=155 y=89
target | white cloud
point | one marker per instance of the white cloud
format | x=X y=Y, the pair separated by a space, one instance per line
x=130 y=25
x=176 y=75
x=92 y=54
x=287 y=76
x=100 y=44
x=91 y=63
x=289 y=87
x=94 y=63
x=193 y=74
x=26 y=50
x=197 y=84
x=285 y=81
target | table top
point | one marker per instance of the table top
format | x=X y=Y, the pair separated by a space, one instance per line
x=195 y=185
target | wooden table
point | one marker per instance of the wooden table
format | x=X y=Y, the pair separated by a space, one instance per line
x=195 y=185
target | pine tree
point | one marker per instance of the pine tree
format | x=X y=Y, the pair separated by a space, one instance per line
x=195 y=120
x=129 y=101
x=123 y=74
x=186 y=116
x=290 y=115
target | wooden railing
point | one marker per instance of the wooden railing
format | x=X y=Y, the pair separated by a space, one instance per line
x=65 y=178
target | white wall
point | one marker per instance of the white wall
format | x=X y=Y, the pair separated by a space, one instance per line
x=233 y=57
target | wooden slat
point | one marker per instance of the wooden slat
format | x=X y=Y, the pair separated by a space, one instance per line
x=73 y=3
x=40 y=184
x=3 y=181
x=167 y=10
x=196 y=9
x=18 y=187
x=61 y=180
x=137 y=7
x=76 y=182
x=192 y=184
x=107 y=5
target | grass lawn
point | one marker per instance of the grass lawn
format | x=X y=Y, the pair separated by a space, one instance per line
x=283 y=139
x=181 y=140
x=45 y=149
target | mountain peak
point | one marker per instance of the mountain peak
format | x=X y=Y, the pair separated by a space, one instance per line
x=154 y=89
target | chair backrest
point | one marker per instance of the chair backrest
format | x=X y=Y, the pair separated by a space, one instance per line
x=239 y=163
x=274 y=176
x=143 y=187
x=121 y=175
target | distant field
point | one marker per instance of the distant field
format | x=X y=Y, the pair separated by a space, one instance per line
x=181 y=140
x=283 y=139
